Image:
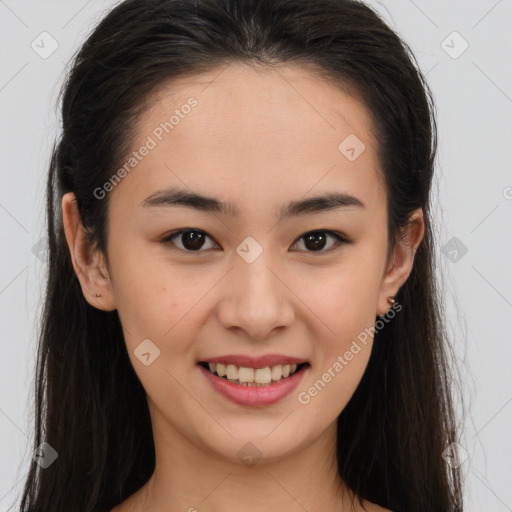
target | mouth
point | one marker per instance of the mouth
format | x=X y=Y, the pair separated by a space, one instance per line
x=253 y=377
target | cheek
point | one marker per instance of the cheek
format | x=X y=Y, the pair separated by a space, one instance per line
x=160 y=301
x=145 y=300
x=344 y=308
x=344 y=299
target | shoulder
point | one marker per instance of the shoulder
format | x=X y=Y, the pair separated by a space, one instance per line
x=373 y=507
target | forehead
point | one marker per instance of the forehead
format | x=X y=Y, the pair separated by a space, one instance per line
x=245 y=132
x=276 y=96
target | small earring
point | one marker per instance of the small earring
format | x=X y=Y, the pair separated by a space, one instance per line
x=391 y=300
x=98 y=295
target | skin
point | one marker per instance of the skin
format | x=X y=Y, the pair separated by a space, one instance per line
x=258 y=138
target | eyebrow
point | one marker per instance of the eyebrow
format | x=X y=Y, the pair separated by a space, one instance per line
x=173 y=197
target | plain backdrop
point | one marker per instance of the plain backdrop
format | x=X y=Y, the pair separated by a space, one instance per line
x=464 y=47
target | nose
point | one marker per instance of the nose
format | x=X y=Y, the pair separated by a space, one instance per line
x=257 y=299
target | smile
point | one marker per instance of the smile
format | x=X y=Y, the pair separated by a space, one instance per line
x=253 y=377
x=249 y=381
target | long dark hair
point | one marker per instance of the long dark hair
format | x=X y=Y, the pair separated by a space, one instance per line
x=89 y=404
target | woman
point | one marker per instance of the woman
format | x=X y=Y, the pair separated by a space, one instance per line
x=241 y=310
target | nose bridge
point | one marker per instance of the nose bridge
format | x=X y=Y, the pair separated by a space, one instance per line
x=258 y=287
x=257 y=300
x=257 y=281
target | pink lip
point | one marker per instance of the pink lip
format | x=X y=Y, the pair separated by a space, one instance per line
x=247 y=395
x=255 y=362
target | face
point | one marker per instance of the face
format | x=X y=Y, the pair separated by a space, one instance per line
x=259 y=279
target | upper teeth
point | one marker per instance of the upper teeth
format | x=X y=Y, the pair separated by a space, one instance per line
x=253 y=375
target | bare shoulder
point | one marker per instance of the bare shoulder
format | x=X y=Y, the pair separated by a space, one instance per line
x=134 y=502
x=373 y=507
x=120 y=508
x=127 y=505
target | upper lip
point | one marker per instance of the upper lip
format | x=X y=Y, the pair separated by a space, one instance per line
x=255 y=362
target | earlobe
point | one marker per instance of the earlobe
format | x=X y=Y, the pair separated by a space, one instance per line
x=402 y=260
x=87 y=262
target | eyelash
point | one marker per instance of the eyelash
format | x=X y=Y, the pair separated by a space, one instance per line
x=340 y=239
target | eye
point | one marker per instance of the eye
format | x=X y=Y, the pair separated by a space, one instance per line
x=193 y=240
x=316 y=240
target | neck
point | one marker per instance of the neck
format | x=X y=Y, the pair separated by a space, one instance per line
x=190 y=478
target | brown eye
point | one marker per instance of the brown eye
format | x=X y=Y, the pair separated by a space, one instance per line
x=316 y=241
x=195 y=240
x=191 y=240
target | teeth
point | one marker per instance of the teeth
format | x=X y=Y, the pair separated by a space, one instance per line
x=263 y=375
x=276 y=372
x=256 y=376
x=231 y=372
x=246 y=374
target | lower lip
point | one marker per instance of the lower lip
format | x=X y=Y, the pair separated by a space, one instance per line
x=254 y=395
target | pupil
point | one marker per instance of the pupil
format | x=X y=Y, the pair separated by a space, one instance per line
x=314 y=243
x=192 y=240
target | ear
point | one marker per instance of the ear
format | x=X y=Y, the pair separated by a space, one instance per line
x=402 y=260
x=88 y=262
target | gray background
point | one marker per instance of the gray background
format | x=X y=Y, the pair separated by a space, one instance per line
x=473 y=209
